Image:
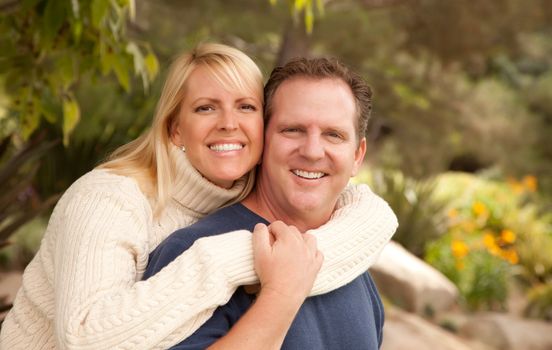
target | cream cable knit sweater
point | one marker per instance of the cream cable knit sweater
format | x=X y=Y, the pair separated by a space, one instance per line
x=82 y=290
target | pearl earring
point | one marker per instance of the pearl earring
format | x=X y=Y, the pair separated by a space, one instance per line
x=183 y=149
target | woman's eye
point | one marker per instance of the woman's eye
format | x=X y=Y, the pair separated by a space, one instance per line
x=205 y=108
x=248 y=107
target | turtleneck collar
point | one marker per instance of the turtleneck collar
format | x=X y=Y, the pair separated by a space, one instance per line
x=194 y=191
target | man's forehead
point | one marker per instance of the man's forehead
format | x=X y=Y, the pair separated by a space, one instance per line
x=297 y=96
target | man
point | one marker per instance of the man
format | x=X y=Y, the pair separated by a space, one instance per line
x=316 y=114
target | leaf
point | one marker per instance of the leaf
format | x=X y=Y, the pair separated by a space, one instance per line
x=273 y=2
x=99 y=11
x=77 y=31
x=298 y=5
x=121 y=71
x=75 y=6
x=152 y=65
x=30 y=119
x=64 y=72
x=54 y=16
x=320 y=7
x=134 y=50
x=71 y=117
x=309 y=19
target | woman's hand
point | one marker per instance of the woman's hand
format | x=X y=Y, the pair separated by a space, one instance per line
x=286 y=260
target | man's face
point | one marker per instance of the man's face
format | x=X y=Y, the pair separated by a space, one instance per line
x=311 y=149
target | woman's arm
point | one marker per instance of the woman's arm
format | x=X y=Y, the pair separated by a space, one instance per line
x=360 y=227
x=101 y=239
x=100 y=306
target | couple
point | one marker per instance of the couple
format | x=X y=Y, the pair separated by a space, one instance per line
x=84 y=290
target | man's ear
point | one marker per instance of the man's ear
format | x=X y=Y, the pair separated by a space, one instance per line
x=359 y=156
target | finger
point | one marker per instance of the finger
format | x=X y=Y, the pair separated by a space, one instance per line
x=261 y=239
x=279 y=230
x=319 y=259
x=310 y=241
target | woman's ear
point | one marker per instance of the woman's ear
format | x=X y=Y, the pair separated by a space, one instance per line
x=174 y=133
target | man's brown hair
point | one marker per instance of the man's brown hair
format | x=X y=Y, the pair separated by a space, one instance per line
x=322 y=68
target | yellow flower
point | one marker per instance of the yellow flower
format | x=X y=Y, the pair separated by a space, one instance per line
x=508 y=236
x=479 y=208
x=530 y=183
x=490 y=243
x=459 y=248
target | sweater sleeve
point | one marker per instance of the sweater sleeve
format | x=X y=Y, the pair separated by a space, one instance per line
x=360 y=227
x=353 y=239
x=101 y=237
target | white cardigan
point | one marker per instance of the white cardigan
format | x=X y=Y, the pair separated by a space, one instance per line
x=83 y=289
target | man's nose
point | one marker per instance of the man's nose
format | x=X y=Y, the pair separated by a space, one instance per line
x=228 y=120
x=312 y=147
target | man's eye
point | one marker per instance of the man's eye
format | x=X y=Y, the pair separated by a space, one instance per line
x=205 y=108
x=335 y=136
x=290 y=130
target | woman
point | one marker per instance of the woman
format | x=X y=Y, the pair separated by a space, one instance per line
x=83 y=290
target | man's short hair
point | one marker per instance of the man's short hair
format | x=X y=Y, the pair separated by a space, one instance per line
x=322 y=68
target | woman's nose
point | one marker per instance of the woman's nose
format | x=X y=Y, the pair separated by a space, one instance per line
x=228 y=121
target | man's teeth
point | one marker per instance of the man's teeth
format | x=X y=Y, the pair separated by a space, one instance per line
x=222 y=147
x=308 y=174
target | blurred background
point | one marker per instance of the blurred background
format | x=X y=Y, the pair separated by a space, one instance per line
x=459 y=140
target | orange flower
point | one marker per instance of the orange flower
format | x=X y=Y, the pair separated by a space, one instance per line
x=459 y=248
x=508 y=236
x=510 y=255
x=516 y=186
x=530 y=183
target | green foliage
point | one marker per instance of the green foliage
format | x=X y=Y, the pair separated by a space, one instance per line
x=49 y=46
x=19 y=201
x=421 y=217
x=482 y=279
x=494 y=232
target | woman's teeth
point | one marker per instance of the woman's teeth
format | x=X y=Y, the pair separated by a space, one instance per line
x=222 y=147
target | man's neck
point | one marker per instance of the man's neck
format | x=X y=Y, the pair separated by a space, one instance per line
x=258 y=203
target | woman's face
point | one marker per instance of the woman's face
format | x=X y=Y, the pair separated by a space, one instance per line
x=221 y=130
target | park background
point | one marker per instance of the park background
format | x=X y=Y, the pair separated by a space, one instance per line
x=458 y=143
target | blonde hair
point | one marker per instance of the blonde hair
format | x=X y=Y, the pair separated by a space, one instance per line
x=146 y=159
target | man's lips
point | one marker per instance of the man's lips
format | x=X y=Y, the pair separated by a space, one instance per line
x=311 y=175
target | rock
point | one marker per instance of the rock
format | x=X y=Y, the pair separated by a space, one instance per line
x=507 y=332
x=411 y=283
x=404 y=330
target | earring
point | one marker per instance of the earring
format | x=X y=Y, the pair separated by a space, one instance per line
x=183 y=149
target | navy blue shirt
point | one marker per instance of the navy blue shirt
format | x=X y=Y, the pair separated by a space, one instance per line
x=350 y=317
